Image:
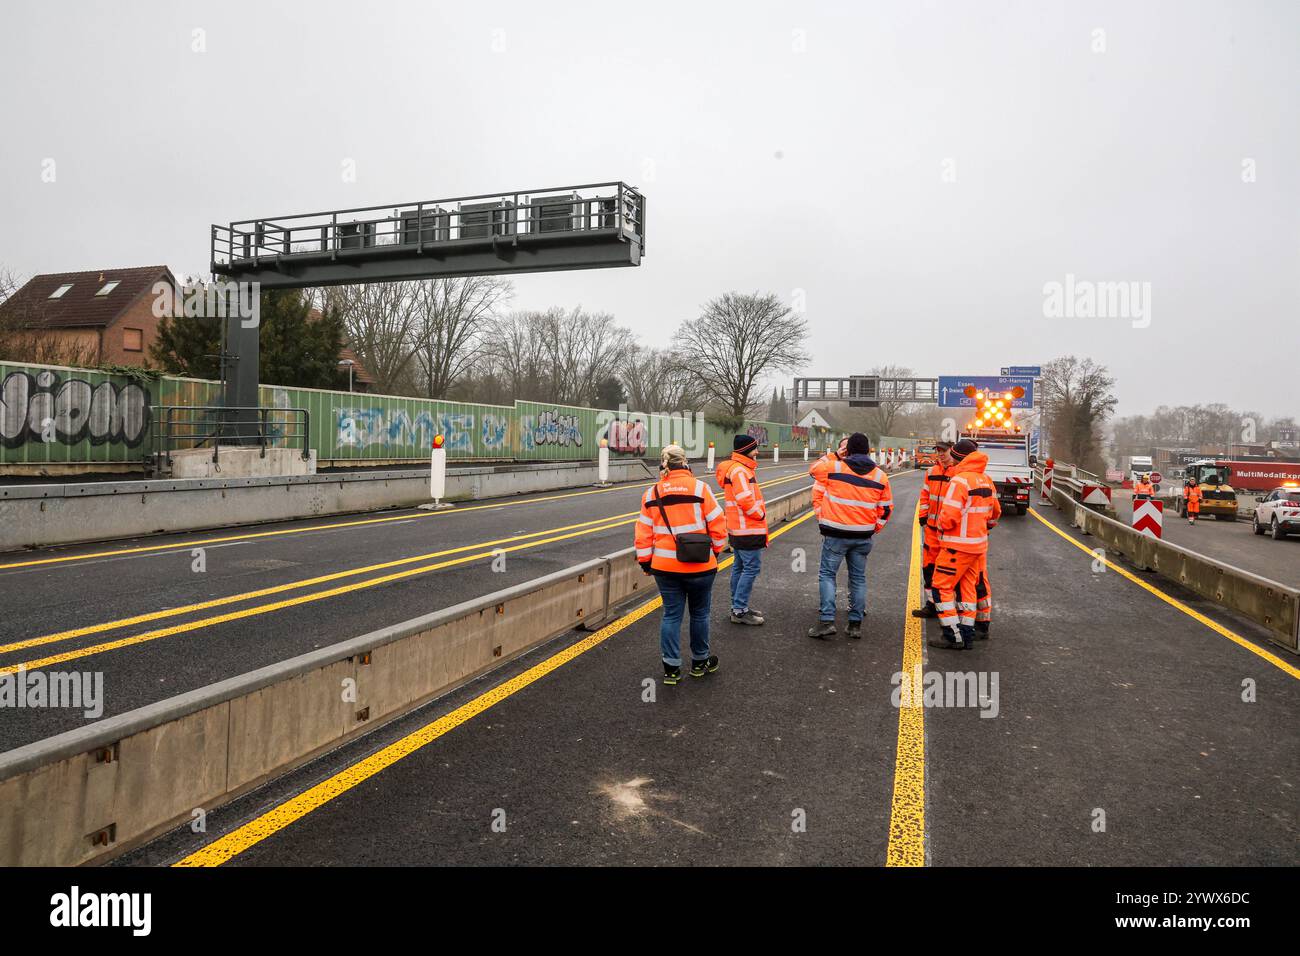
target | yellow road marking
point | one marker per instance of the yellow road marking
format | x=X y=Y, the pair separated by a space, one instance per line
x=629 y=486
x=587 y=527
x=907 y=807
x=1175 y=603
x=295 y=808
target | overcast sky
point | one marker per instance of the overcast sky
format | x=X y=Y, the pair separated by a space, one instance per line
x=920 y=170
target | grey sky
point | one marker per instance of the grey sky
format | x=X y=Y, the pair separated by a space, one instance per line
x=782 y=147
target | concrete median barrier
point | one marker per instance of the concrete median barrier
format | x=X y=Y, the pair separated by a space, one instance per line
x=1264 y=601
x=90 y=794
x=46 y=515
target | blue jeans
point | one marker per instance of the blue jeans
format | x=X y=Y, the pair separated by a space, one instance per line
x=744 y=572
x=677 y=591
x=854 y=551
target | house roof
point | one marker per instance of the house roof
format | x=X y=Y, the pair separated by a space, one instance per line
x=81 y=306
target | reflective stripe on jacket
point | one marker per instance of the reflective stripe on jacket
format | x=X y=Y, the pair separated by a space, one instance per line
x=743 y=500
x=970 y=506
x=819 y=484
x=854 y=503
x=691 y=507
x=932 y=491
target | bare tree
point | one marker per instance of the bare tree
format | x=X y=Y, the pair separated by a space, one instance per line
x=556 y=356
x=737 y=342
x=451 y=317
x=1077 y=397
x=656 y=382
x=378 y=319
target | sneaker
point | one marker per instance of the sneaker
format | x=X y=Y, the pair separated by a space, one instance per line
x=747 y=617
x=855 y=630
x=822 y=629
x=927 y=611
x=672 y=673
x=706 y=666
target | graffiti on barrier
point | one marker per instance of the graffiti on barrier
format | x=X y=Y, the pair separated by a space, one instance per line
x=758 y=433
x=495 y=431
x=388 y=428
x=627 y=436
x=457 y=432
x=799 y=433
x=44 y=408
x=550 y=428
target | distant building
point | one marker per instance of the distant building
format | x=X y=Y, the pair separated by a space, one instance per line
x=100 y=317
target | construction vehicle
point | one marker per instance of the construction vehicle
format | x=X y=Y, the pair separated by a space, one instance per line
x=1218 y=498
x=994 y=429
x=926 y=456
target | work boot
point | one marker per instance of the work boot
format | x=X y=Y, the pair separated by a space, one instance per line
x=982 y=630
x=822 y=630
x=967 y=633
x=950 y=639
x=751 y=617
x=672 y=673
x=927 y=611
x=706 y=666
x=855 y=630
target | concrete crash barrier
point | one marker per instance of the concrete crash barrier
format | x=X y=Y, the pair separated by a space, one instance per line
x=92 y=793
x=1264 y=601
x=44 y=515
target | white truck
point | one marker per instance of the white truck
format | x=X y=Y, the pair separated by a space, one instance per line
x=1008 y=466
x=1139 y=465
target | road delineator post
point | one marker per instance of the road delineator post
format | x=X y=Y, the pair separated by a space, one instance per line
x=437 y=477
x=776 y=454
x=805 y=452
x=709 y=458
x=1148 y=516
x=602 y=464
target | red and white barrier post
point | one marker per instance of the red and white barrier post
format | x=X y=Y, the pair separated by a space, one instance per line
x=1094 y=495
x=1149 y=516
x=1045 y=492
x=437 y=476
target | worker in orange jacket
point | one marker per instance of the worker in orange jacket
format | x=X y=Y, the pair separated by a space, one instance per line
x=819 y=487
x=1193 y=495
x=970 y=508
x=746 y=525
x=679 y=534
x=932 y=492
x=1143 y=490
x=856 y=504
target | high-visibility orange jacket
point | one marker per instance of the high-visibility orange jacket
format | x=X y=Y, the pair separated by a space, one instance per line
x=743 y=500
x=856 y=501
x=970 y=506
x=932 y=491
x=819 y=484
x=1144 y=488
x=1194 y=498
x=690 y=507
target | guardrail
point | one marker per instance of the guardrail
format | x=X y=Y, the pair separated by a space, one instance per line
x=1262 y=600
x=90 y=794
x=174 y=427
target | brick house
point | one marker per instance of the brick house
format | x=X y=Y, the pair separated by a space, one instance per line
x=103 y=317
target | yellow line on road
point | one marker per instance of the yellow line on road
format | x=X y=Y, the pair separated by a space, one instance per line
x=907 y=807
x=1174 y=602
x=586 y=527
x=295 y=808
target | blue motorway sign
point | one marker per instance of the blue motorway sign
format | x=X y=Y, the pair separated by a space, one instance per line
x=1030 y=371
x=952 y=389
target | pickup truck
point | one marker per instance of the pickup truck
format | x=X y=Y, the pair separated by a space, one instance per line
x=1008 y=466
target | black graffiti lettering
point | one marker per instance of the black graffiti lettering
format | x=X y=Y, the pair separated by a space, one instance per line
x=45 y=410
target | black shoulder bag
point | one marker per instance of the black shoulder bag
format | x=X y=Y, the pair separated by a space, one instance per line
x=693 y=547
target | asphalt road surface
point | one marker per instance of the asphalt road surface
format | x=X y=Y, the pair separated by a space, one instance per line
x=1129 y=723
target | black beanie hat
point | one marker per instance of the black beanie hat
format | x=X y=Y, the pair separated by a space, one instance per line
x=963 y=448
x=744 y=443
x=859 y=444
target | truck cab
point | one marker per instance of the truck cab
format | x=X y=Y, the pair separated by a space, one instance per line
x=1008 y=467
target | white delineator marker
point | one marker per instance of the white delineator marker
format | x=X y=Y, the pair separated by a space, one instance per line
x=776 y=454
x=437 y=476
x=805 y=452
x=602 y=464
x=709 y=459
